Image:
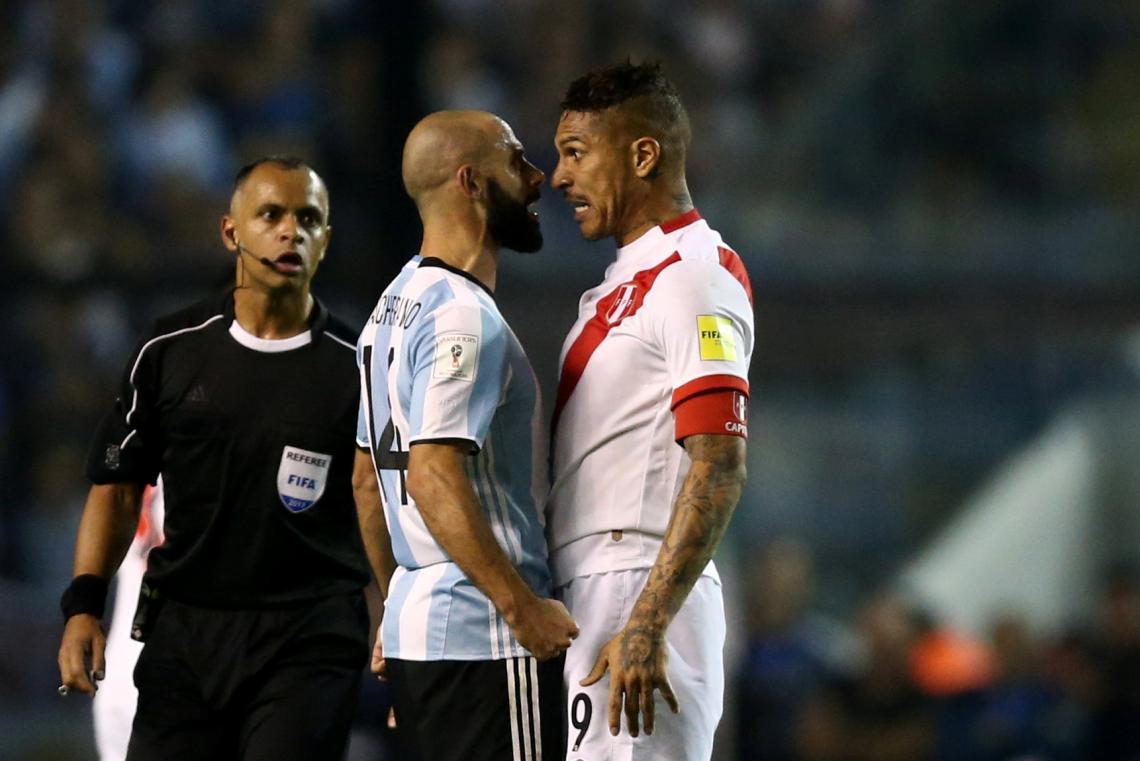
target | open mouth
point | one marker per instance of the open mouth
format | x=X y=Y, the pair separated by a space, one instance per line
x=289 y=263
x=579 y=206
x=532 y=207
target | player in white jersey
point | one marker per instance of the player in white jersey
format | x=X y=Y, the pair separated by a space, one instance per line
x=114 y=704
x=452 y=423
x=650 y=428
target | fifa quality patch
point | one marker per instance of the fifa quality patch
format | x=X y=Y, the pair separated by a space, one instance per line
x=455 y=356
x=715 y=337
x=301 y=478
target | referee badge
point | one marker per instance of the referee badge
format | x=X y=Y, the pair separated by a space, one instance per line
x=301 y=478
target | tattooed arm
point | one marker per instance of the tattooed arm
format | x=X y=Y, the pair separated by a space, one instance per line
x=636 y=657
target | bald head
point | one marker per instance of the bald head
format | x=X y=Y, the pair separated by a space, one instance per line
x=443 y=142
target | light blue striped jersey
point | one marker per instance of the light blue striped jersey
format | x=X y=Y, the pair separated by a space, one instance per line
x=438 y=361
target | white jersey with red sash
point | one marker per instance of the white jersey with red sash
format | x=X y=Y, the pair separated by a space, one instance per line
x=660 y=351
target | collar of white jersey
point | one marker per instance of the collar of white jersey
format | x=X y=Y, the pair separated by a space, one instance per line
x=649 y=240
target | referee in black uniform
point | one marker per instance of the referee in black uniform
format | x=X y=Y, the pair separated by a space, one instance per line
x=252 y=609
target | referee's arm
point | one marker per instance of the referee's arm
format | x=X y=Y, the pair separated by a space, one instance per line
x=110 y=517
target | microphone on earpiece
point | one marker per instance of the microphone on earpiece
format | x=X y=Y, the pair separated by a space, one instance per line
x=264 y=260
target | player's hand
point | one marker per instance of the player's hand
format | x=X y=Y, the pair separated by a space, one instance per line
x=378 y=665
x=544 y=627
x=81 y=663
x=636 y=659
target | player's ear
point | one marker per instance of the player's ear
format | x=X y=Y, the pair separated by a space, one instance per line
x=325 y=247
x=645 y=153
x=469 y=181
x=229 y=233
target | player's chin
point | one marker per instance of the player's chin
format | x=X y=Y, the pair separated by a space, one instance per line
x=592 y=231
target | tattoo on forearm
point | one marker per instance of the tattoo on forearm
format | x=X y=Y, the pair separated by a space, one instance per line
x=700 y=517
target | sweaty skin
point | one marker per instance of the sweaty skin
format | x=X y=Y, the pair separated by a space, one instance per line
x=449 y=159
x=442 y=142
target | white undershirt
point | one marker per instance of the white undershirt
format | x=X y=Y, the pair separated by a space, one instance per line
x=269 y=345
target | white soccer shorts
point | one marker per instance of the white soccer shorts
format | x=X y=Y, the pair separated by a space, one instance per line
x=601 y=604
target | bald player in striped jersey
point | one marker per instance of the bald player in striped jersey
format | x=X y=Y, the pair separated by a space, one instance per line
x=452 y=423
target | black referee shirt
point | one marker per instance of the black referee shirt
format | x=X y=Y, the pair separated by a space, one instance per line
x=255 y=449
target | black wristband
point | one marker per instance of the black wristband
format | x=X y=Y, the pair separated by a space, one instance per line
x=87 y=593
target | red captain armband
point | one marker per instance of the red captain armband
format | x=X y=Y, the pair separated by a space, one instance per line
x=715 y=404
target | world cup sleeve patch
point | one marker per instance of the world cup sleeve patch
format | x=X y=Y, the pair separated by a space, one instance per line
x=301 y=478
x=456 y=356
x=716 y=337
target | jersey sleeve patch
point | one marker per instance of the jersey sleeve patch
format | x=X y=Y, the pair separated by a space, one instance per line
x=715 y=337
x=456 y=356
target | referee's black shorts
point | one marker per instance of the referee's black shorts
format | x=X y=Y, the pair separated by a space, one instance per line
x=504 y=710
x=255 y=685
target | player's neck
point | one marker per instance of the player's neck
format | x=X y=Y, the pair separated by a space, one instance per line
x=273 y=314
x=464 y=247
x=658 y=207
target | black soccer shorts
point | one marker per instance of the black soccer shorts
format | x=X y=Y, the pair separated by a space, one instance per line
x=504 y=710
x=255 y=685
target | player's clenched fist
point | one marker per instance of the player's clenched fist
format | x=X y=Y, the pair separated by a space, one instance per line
x=81 y=654
x=544 y=627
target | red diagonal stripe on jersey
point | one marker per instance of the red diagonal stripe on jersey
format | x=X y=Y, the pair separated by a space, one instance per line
x=596 y=330
x=730 y=260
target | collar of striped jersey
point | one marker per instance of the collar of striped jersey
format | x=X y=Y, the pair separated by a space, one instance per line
x=318 y=316
x=431 y=261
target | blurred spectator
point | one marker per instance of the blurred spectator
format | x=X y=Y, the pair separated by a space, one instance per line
x=791 y=651
x=1116 y=728
x=1069 y=668
x=1016 y=714
x=879 y=714
x=946 y=663
x=174 y=133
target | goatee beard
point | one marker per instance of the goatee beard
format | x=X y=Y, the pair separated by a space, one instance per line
x=509 y=223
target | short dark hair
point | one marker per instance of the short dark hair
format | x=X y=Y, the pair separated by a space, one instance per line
x=643 y=88
x=285 y=162
x=603 y=88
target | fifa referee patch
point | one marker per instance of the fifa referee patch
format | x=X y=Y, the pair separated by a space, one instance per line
x=301 y=478
x=715 y=337
x=455 y=355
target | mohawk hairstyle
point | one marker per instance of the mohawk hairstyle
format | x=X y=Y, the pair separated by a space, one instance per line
x=642 y=90
x=285 y=162
x=600 y=89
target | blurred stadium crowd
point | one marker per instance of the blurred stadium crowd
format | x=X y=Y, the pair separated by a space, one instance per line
x=936 y=201
x=895 y=684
